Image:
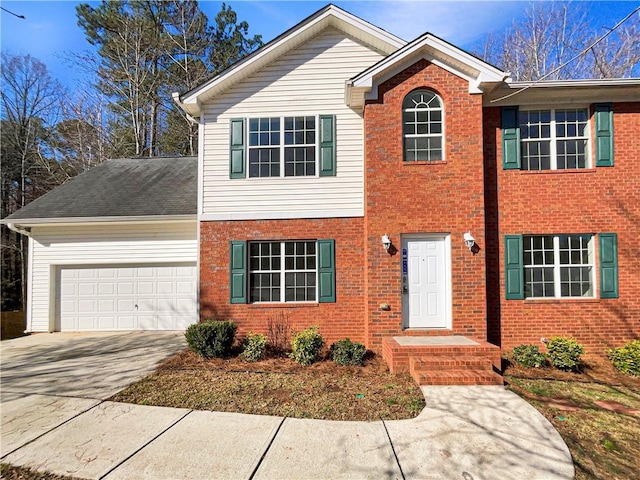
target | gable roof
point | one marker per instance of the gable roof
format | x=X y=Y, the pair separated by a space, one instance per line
x=481 y=75
x=329 y=16
x=122 y=189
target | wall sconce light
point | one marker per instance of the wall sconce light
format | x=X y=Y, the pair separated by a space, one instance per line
x=469 y=241
x=386 y=242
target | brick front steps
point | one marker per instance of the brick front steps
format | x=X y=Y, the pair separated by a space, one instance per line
x=452 y=360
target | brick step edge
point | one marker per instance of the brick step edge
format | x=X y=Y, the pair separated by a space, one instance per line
x=421 y=364
x=459 y=377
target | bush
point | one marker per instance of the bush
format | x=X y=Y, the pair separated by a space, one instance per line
x=254 y=346
x=626 y=359
x=565 y=353
x=306 y=346
x=279 y=333
x=345 y=352
x=211 y=338
x=528 y=356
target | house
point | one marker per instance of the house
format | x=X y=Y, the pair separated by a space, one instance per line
x=407 y=195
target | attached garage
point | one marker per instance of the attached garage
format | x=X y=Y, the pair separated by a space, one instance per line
x=115 y=248
x=130 y=297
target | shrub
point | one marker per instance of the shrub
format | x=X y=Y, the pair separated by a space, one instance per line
x=528 y=356
x=345 y=352
x=306 y=346
x=279 y=333
x=565 y=353
x=211 y=338
x=254 y=346
x=626 y=359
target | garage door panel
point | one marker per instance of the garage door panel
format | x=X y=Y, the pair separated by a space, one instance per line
x=145 y=297
x=106 y=323
x=145 y=288
x=87 y=322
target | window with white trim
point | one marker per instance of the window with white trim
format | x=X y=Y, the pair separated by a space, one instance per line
x=282 y=271
x=422 y=120
x=557 y=266
x=554 y=139
x=282 y=146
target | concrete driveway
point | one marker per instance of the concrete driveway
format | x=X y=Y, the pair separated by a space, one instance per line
x=55 y=419
x=86 y=365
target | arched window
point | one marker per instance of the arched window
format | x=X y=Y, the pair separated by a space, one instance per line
x=422 y=126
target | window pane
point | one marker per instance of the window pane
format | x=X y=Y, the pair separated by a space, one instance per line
x=422 y=119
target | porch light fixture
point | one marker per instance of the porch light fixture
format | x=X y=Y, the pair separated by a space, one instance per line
x=386 y=242
x=469 y=241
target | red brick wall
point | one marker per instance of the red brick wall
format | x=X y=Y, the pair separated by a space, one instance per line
x=345 y=318
x=421 y=197
x=602 y=199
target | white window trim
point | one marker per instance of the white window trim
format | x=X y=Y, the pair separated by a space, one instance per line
x=553 y=139
x=283 y=273
x=557 y=287
x=428 y=135
x=282 y=146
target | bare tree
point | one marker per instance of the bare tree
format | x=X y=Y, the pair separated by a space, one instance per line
x=553 y=33
x=30 y=107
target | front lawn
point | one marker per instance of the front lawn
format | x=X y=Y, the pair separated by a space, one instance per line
x=597 y=413
x=278 y=386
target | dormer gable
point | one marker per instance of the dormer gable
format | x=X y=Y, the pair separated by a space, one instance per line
x=482 y=77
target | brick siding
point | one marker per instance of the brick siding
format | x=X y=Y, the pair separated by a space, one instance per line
x=336 y=320
x=424 y=197
x=602 y=199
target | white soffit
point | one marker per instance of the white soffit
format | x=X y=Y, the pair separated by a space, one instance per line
x=481 y=76
x=579 y=92
x=328 y=17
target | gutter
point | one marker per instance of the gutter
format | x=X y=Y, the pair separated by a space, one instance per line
x=20 y=225
x=18 y=229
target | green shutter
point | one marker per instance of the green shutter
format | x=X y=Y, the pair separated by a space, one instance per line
x=238 y=269
x=237 y=150
x=327 y=145
x=510 y=138
x=603 y=113
x=608 y=265
x=326 y=271
x=513 y=267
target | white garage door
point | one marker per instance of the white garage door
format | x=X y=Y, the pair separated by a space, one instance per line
x=140 y=297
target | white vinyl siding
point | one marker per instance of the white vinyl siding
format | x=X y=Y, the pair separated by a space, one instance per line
x=140 y=244
x=309 y=80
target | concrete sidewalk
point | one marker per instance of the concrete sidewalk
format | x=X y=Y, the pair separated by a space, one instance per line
x=469 y=433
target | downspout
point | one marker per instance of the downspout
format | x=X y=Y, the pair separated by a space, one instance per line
x=21 y=230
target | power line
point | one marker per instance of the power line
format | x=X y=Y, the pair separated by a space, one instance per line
x=14 y=14
x=597 y=41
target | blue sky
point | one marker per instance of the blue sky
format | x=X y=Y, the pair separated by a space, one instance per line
x=50 y=30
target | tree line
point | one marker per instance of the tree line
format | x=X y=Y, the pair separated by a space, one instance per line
x=144 y=50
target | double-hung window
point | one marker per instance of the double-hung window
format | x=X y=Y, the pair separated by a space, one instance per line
x=557 y=138
x=291 y=146
x=282 y=271
x=554 y=139
x=558 y=266
x=282 y=146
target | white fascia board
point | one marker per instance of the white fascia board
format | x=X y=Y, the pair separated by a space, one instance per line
x=332 y=16
x=290 y=215
x=596 y=82
x=423 y=47
x=41 y=222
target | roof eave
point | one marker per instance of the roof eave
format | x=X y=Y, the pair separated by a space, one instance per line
x=114 y=220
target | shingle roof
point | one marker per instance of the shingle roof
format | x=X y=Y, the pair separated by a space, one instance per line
x=127 y=187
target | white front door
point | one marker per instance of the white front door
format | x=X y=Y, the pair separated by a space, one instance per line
x=426 y=282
